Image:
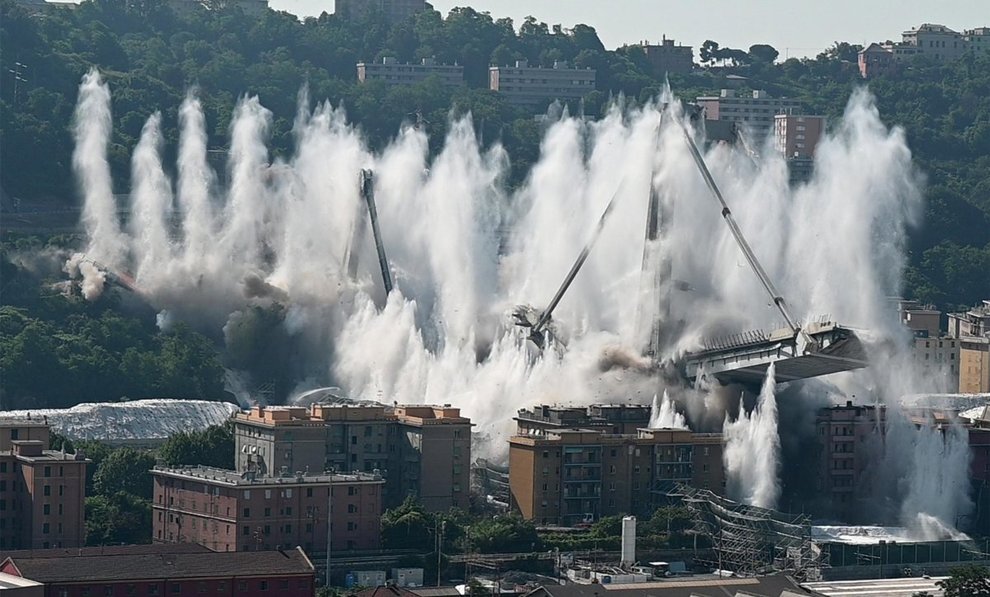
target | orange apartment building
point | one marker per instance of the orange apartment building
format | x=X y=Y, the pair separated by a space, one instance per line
x=227 y=511
x=573 y=476
x=41 y=491
x=423 y=451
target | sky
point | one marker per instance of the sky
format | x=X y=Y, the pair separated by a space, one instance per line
x=795 y=27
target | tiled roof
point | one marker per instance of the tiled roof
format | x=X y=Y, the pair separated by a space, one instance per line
x=162 y=566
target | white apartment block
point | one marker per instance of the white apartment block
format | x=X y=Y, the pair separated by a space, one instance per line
x=524 y=85
x=937 y=41
x=393 y=73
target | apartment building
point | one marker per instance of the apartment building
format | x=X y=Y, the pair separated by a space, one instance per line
x=159 y=570
x=978 y=39
x=393 y=11
x=42 y=491
x=666 y=57
x=797 y=136
x=575 y=476
x=534 y=87
x=972 y=329
x=845 y=434
x=940 y=359
x=434 y=456
x=755 y=112
x=422 y=451
x=391 y=72
x=227 y=511
x=937 y=41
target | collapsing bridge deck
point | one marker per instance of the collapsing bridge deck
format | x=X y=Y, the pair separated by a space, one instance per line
x=744 y=358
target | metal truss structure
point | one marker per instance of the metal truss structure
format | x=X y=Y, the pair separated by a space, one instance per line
x=748 y=540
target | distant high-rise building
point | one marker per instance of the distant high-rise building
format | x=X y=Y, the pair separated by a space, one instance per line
x=392 y=72
x=534 y=87
x=972 y=329
x=668 y=58
x=753 y=112
x=394 y=11
x=41 y=491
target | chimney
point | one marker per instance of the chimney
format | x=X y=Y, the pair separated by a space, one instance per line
x=628 y=541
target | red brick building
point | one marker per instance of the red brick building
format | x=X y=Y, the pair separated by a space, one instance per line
x=41 y=491
x=141 y=570
x=227 y=511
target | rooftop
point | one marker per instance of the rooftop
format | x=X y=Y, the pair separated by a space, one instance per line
x=703 y=586
x=160 y=566
x=235 y=479
x=108 y=550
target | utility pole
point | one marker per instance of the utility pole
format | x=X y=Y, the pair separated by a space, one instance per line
x=329 y=525
x=440 y=528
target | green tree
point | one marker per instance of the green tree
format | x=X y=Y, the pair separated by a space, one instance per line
x=966 y=581
x=125 y=470
x=408 y=526
x=118 y=518
x=763 y=53
x=213 y=446
x=507 y=533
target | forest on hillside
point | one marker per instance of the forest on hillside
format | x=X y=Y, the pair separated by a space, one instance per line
x=152 y=58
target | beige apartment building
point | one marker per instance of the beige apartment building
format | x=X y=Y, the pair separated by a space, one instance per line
x=423 y=451
x=227 y=511
x=534 y=87
x=575 y=476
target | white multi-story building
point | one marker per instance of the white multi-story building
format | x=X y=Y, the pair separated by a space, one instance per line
x=755 y=112
x=392 y=72
x=978 y=39
x=524 y=85
x=936 y=41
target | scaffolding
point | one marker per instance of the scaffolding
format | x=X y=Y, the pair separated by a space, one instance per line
x=747 y=540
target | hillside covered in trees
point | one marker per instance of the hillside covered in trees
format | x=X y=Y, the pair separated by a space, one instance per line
x=60 y=350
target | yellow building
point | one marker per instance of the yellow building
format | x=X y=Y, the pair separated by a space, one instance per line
x=974 y=365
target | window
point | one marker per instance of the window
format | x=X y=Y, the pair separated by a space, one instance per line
x=152 y=589
x=48 y=471
x=309 y=492
x=288 y=492
x=288 y=529
x=107 y=591
x=60 y=509
x=247 y=494
x=288 y=511
x=246 y=530
x=47 y=509
x=351 y=490
x=268 y=512
x=263 y=585
x=176 y=587
x=247 y=512
x=45 y=528
x=201 y=588
x=268 y=494
x=131 y=590
x=351 y=508
x=48 y=490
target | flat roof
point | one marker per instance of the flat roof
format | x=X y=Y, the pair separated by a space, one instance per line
x=173 y=566
x=892 y=587
x=235 y=479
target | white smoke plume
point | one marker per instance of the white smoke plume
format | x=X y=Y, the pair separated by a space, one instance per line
x=664 y=415
x=285 y=249
x=752 y=450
